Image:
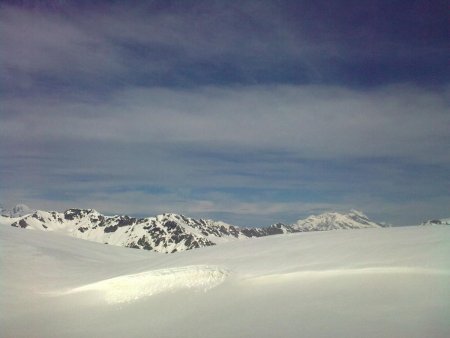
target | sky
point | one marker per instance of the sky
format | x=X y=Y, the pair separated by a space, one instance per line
x=251 y=112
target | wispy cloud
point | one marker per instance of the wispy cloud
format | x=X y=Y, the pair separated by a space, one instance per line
x=308 y=121
x=104 y=46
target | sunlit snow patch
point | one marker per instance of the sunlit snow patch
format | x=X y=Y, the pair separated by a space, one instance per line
x=129 y=288
x=273 y=278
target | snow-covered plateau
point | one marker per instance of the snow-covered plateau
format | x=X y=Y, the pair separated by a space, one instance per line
x=376 y=282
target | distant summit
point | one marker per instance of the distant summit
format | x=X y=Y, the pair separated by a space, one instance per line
x=16 y=211
x=336 y=221
x=443 y=221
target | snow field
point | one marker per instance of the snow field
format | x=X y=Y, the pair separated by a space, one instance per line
x=391 y=282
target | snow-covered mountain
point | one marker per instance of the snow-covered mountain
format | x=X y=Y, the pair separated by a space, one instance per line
x=444 y=221
x=169 y=233
x=16 y=211
x=165 y=233
x=335 y=221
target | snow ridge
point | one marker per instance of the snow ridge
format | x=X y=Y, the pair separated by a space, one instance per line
x=128 y=288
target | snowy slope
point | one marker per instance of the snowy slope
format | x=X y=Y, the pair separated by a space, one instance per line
x=169 y=233
x=392 y=282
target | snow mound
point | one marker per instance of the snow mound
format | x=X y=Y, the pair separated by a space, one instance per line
x=129 y=288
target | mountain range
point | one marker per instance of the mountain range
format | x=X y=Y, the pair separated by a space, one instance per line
x=166 y=233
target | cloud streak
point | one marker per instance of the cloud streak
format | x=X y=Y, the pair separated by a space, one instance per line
x=314 y=122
